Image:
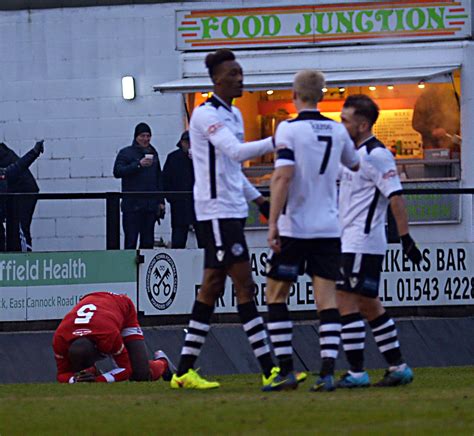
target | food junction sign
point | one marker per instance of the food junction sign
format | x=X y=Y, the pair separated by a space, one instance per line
x=382 y=21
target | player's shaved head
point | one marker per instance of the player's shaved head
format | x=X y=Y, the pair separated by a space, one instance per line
x=82 y=354
x=308 y=85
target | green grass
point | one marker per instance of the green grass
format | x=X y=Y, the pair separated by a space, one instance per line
x=440 y=401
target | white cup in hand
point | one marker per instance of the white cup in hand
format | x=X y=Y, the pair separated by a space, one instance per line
x=149 y=156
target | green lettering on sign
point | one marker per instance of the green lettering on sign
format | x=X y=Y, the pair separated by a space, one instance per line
x=271 y=25
x=251 y=26
x=346 y=21
x=209 y=24
x=320 y=19
x=436 y=15
x=234 y=24
x=305 y=28
x=383 y=16
x=415 y=18
x=364 y=26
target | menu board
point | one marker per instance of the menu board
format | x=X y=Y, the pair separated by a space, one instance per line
x=394 y=129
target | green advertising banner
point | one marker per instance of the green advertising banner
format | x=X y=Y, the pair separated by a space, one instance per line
x=39 y=286
x=323 y=24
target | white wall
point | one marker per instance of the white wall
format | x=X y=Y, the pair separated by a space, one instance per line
x=60 y=79
x=60 y=74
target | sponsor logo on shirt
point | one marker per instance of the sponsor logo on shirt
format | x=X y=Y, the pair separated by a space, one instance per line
x=82 y=332
x=213 y=128
x=389 y=174
x=161 y=281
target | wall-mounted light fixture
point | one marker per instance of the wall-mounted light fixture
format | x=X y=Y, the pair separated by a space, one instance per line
x=372 y=88
x=342 y=89
x=421 y=84
x=324 y=89
x=204 y=94
x=390 y=87
x=270 y=92
x=128 y=87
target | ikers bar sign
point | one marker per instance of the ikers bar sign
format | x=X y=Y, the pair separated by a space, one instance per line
x=323 y=24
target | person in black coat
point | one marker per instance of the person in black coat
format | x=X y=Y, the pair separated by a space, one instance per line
x=24 y=183
x=178 y=182
x=139 y=168
x=14 y=178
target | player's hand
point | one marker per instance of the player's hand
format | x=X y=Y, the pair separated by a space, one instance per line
x=160 y=214
x=264 y=208
x=145 y=162
x=410 y=249
x=273 y=238
x=84 y=376
x=39 y=147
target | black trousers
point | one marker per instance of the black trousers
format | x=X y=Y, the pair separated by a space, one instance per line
x=140 y=223
x=27 y=209
x=179 y=236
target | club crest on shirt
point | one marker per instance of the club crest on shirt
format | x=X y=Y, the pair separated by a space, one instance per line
x=161 y=281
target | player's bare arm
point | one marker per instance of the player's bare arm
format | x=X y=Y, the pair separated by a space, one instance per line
x=397 y=205
x=139 y=360
x=279 y=186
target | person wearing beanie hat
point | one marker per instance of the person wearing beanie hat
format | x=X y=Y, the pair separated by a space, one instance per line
x=141 y=128
x=138 y=165
x=178 y=183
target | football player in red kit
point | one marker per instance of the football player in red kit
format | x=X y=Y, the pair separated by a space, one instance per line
x=105 y=324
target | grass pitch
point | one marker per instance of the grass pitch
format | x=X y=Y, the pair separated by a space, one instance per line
x=440 y=401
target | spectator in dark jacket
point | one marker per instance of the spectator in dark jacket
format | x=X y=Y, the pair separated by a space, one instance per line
x=24 y=183
x=178 y=182
x=15 y=177
x=139 y=168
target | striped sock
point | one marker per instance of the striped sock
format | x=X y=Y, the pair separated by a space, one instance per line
x=385 y=335
x=329 y=339
x=281 y=333
x=353 y=338
x=254 y=327
x=198 y=328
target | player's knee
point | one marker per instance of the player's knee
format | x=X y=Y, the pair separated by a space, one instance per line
x=245 y=290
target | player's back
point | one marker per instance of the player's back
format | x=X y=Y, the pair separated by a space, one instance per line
x=319 y=144
x=100 y=316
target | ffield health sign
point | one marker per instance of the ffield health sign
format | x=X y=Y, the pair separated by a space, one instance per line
x=355 y=22
x=40 y=286
x=170 y=279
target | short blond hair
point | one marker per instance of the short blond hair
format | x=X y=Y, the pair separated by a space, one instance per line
x=309 y=84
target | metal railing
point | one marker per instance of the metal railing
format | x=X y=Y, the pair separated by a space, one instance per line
x=112 y=207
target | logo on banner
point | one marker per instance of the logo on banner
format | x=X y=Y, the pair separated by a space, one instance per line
x=161 y=281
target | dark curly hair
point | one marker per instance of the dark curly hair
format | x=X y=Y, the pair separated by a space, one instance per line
x=218 y=57
x=363 y=106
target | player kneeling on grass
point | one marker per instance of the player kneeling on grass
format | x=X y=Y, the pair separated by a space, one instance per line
x=105 y=324
x=363 y=201
x=303 y=228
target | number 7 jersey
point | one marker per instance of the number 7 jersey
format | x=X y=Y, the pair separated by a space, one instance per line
x=315 y=145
